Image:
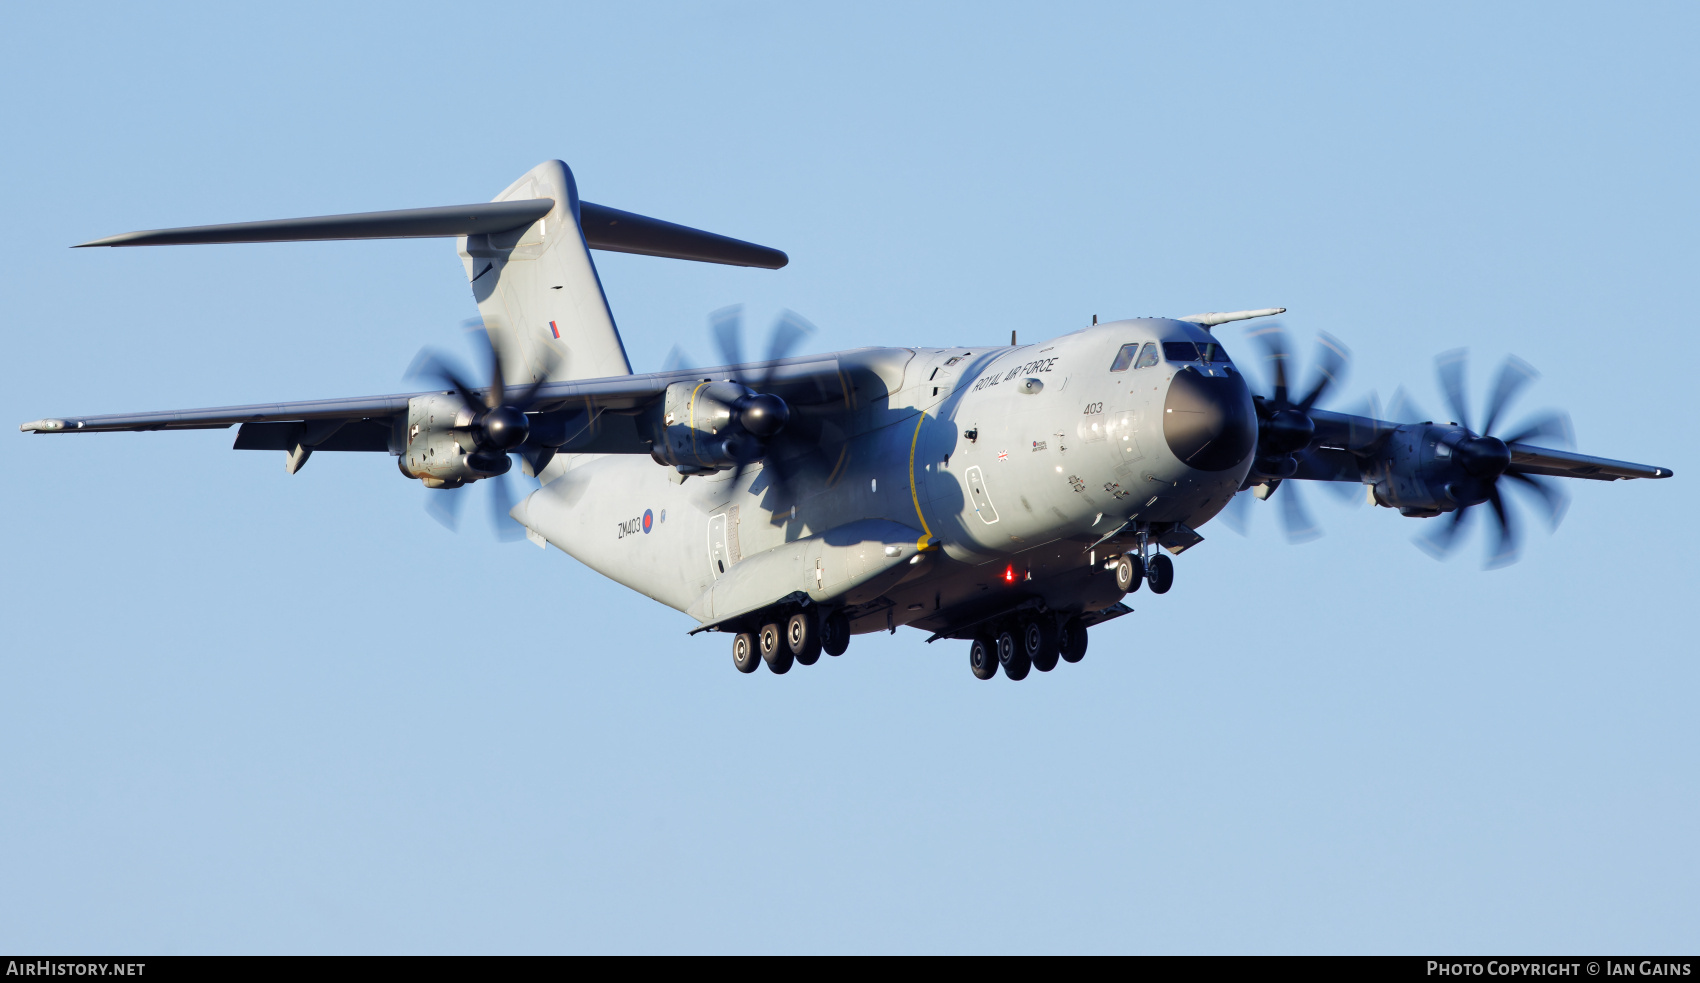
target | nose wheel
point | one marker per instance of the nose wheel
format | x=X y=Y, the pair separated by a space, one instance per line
x=1130 y=572
x=1158 y=570
x=1161 y=573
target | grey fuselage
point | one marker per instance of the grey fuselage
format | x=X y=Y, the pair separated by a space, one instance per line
x=981 y=472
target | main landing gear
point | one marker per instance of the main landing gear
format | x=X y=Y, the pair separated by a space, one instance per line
x=786 y=636
x=1031 y=642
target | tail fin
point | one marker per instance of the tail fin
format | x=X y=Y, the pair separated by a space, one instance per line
x=537 y=288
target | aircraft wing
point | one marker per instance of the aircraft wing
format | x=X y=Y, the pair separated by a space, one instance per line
x=1569 y=464
x=596 y=414
x=221 y=417
x=1342 y=437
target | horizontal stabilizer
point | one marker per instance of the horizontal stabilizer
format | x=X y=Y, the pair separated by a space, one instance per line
x=623 y=232
x=604 y=228
x=406 y=223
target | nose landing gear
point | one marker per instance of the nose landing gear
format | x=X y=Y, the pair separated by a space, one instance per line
x=1130 y=572
x=1161 y=574
x=1132 y=568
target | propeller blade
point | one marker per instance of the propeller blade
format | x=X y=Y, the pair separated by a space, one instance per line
x=728 y=327
x=1295 y=518
x=501 y=503
x=779 y=472
x=1346 y=492
x=1276 y=352
x=677 y=360
x=1506 y=547
x=1360 y=435
x=1449 y=366
x=497 y=394
x=1552 y=497
x=1556 y=425
x=1513 y=376
x=1403 y=409
x=432 y=366
x=528 y=395
x=790 y=329
x=1236 y=515
x=1439 y=542
x=1331 y=358
x=443 y=504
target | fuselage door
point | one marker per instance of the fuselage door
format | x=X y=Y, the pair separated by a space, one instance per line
x=719 y=556
x=982 y=501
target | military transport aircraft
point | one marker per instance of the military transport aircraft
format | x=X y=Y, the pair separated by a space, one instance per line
x=1010 y=496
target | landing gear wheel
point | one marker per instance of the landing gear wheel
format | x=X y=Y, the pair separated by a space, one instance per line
x=1039 y=642
x=1162 y=574
x=802 y=637
x=774 y=651
x=744 y=654
x=1013 y=656
x=1072 y=640
x=835 y=634
x=983 y=658
x=1130 y=570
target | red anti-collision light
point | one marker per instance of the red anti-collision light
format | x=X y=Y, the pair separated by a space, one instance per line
x=1009 y=574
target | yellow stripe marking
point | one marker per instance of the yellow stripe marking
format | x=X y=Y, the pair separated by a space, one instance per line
x=694 y=392
x=923 y=544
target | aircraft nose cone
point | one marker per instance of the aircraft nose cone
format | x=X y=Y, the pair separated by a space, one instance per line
x=1209 y=420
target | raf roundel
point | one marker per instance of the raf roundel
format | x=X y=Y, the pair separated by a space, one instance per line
x=648 y=520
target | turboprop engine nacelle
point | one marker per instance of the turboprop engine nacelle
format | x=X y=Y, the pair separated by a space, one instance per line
x=1425 y=469
x=439 y=448
x=708 y=426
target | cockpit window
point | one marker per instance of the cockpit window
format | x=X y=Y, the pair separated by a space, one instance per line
x=1124 y=358
x=1148 y=357
x=1186 y=351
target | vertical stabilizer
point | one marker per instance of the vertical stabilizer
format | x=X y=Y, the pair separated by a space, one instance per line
x=538 y=291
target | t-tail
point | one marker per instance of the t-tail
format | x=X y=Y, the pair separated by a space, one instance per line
x=527 y=258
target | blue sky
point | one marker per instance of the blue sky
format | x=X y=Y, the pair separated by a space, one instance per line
x=255 y=712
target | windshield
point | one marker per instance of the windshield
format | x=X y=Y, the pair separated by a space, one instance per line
x=1186 y=351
